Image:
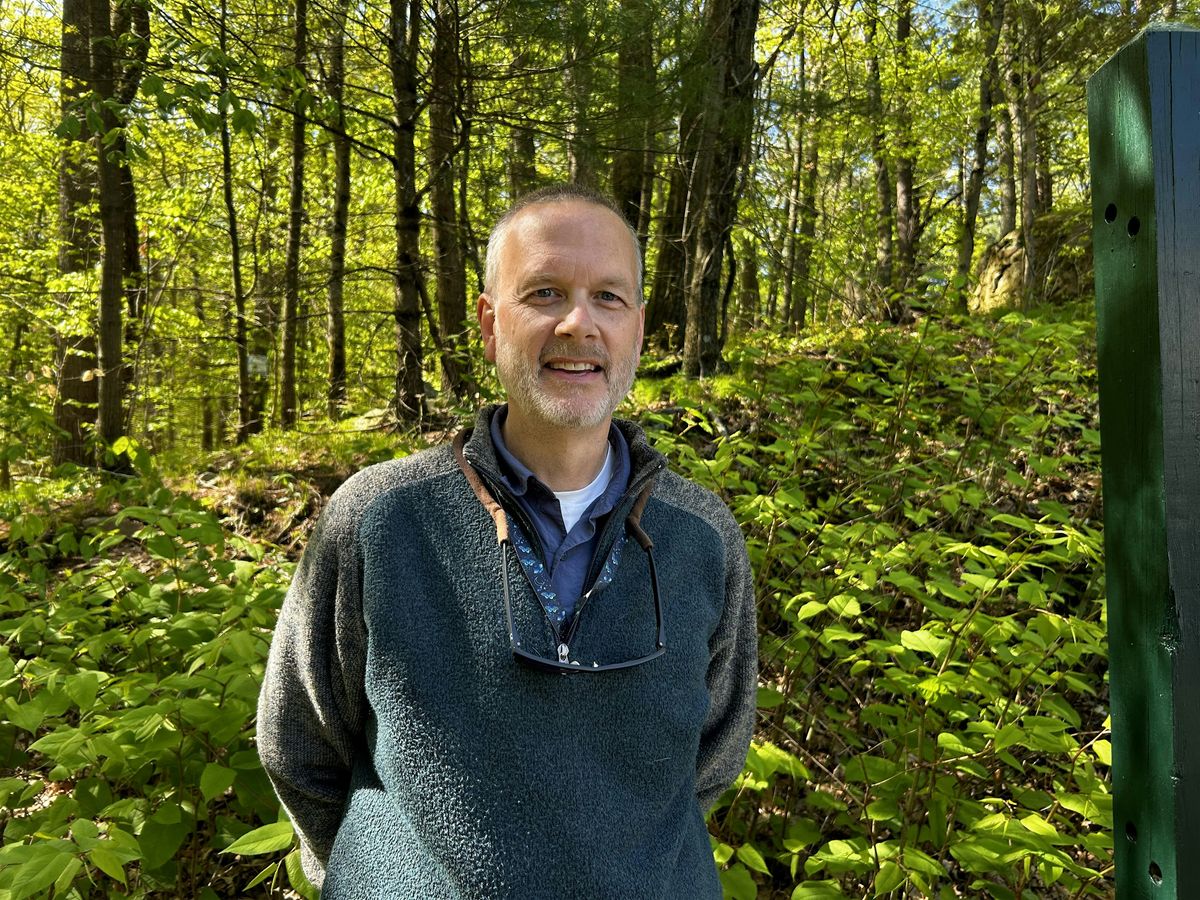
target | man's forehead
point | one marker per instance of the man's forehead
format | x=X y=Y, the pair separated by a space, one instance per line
x=539 y=216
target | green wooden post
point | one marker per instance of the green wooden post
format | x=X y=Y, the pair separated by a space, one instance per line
x=1144 y=121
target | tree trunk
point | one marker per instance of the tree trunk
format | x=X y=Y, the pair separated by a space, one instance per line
x=291 y=269
x=635 y=87
x=75 y=355
x=721 y=124
x=522 y=165
x=906 y=200
x=1027 y=109
x=665 y=314
x=791 y=238
x=445 y=105
x=403 y=45
x=808 y=225
x=991 y=21
x=240 y=339
x=884 y=210
x=335 y=326
x=582 y=155
x=1008 y=168
x=110 y=418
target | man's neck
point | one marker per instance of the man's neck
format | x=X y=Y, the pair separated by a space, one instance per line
x=563 y=459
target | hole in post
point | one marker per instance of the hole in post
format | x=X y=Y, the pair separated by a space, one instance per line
x=1131 y=832
x=1110 y=213
x=1135 y=225
x=1155 y=873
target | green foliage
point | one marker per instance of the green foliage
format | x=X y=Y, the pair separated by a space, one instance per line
x=135 y=644
x=922 y=513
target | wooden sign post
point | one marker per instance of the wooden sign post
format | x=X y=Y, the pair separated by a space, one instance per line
x=1144 y=123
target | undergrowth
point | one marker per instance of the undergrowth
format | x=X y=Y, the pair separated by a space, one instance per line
x=921 y=507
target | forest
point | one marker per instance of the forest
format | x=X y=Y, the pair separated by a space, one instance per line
x=240 y=248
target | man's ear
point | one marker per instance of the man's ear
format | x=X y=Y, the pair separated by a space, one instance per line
x=485 y=312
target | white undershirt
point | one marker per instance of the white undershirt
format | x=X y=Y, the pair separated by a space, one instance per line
x=573 y=504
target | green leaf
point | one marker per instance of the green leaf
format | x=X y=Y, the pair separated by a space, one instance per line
x=737 y=884
x=297 y=879
x=108 y=863
x=268 y=839
x=889 y=877
x=749 y=854
x=923 y=642
x=215 y=780
x=244 y=120
x=818 y=890
x=263 y=875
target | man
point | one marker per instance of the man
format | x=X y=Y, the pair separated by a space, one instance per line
x=522 y=666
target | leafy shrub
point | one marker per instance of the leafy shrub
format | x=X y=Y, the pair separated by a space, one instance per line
x=921 y=507
x=128 y=681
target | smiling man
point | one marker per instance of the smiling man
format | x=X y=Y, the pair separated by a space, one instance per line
x=522 y=665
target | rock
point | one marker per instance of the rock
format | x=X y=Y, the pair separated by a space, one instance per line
x=1064 y=270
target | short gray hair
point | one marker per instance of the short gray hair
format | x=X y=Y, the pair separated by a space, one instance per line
x=556 y=193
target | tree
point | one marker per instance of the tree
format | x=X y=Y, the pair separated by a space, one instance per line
x=403 y=45
x=335 y=397
x=990 y=16
x=717 y=124
x=76 y=394
x=445 y=110
x=291 y=269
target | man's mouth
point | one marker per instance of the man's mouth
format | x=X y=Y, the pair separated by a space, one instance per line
x=571 y=366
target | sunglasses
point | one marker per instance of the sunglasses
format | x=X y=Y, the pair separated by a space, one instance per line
x=563 y=664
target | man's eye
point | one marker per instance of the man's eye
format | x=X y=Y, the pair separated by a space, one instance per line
x=609 y=297
x=544 y=293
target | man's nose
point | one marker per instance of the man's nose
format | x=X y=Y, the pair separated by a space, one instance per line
x=577 y=321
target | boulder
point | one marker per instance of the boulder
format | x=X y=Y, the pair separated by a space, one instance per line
x=1064 y=267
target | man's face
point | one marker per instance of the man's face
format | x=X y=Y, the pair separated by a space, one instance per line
x=563 y=321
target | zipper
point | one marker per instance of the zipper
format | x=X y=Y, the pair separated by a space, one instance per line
x=513 y=507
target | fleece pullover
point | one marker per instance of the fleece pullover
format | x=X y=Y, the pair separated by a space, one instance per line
x=418 y=759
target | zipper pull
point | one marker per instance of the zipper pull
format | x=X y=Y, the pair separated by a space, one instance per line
x=563 y=653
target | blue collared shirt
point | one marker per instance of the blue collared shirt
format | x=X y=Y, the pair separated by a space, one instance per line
x=568 y=554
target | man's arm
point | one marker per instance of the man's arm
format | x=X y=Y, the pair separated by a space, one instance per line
x=732 y=678
x=310 y=710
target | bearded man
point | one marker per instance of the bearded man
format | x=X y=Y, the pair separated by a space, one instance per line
x=522 y=665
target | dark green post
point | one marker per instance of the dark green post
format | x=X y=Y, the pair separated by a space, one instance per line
x=1144 y=121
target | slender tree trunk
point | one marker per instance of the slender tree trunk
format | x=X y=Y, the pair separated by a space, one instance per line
x=906 y=200
x=240 y=339
x=335 y=326
x=1008 y=167
x=582 y=160
x=75 y=396
x=808 y=225
x=291 y=269
x=635 y=87
x=791 y=238
x=1027 y=111
x=991 y=21
x=445 y=105
x=110 y=417
x=522 y=166
x=884 y=209
x=403 y=44
x=665 y=313
x=749 y=289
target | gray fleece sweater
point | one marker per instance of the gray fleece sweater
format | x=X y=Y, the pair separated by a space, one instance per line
x=418 y=759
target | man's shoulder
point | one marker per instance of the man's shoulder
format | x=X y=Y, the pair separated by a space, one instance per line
x=372 y=483
x=685 y=495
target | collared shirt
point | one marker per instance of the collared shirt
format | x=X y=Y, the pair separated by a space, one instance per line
x=568 y=553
